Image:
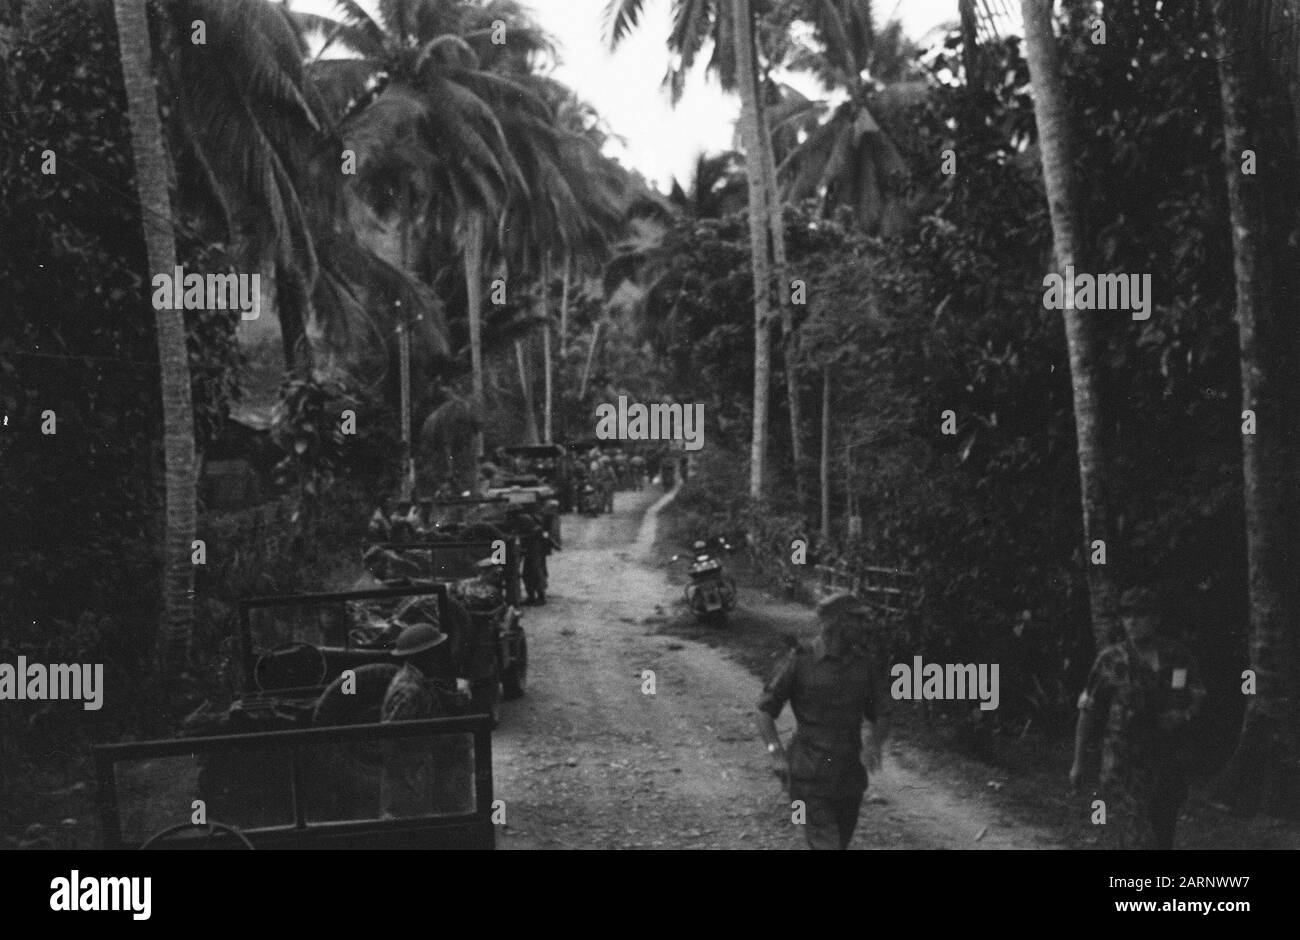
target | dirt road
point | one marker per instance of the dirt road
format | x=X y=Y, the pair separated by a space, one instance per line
x=588 y=760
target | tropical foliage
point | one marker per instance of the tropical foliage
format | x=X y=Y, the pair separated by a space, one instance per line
x=453 y=260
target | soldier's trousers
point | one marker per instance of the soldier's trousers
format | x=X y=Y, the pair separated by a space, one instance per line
x=534 y=573
x=1142 y=813
x=830 y=821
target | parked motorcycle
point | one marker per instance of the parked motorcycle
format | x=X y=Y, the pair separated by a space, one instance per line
x=710 y=593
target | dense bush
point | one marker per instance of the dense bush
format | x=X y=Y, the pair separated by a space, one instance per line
x=951 y=319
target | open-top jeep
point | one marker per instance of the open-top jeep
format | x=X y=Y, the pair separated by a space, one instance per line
x=283 y=766
x=547 y=468
x=488 y=642
x=300 y=788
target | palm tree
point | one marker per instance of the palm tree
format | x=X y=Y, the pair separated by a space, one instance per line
x=586 y=212
x=732 y=28
x=422 y=100
x=256 y=127
x=715 y=189
x=1263 y=769
x=151 y=176
x=752 y=132
x=571 y=202
x=849 y=158
x=250 y=120
x=1051 y=112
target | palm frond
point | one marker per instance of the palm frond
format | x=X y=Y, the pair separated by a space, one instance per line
x=621 y=17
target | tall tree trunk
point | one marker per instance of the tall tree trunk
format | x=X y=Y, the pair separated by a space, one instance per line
x=969 y=41
x=548 y=408
x=848 y=491
x=1051 y=113
x=780 y=271
x=743 y=36
x=526 y=385
x=547 y=402
x=564 y=307
x=826 y=453
x=474 y=304
x=1263 y=772
x=404 y=353
x=591 y=354
x=177 y=603
x=293 y=304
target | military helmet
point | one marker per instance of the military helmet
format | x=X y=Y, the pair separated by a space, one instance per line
x=417 y=638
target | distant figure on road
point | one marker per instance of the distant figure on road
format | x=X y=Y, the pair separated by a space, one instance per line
x=833 y=687
x=1143 y=694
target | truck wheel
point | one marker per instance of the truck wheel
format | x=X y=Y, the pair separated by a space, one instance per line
x=515 y=679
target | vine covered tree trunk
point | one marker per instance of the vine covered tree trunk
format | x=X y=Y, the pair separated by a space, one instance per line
x=751 y=130
x=1052 y=116
x=1264 y=772
x=151 y=176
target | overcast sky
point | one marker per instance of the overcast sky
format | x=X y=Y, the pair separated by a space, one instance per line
x=625 y=87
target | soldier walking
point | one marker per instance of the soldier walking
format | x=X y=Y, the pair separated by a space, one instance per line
x=833 y=688
x=532 y=544
x=1142 y=694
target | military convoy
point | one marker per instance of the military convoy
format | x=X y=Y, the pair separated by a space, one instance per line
x=298 y=759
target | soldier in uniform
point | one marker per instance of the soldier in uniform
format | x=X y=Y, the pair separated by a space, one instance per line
x=487 y=474
x=833 y=687
x=420 y=777
x=1142 y=694
x=532 y=544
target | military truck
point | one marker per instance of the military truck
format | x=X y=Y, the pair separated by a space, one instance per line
x=299 y=759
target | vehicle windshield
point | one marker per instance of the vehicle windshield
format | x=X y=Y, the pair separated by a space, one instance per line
x=290 y=781
x=328 y=620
